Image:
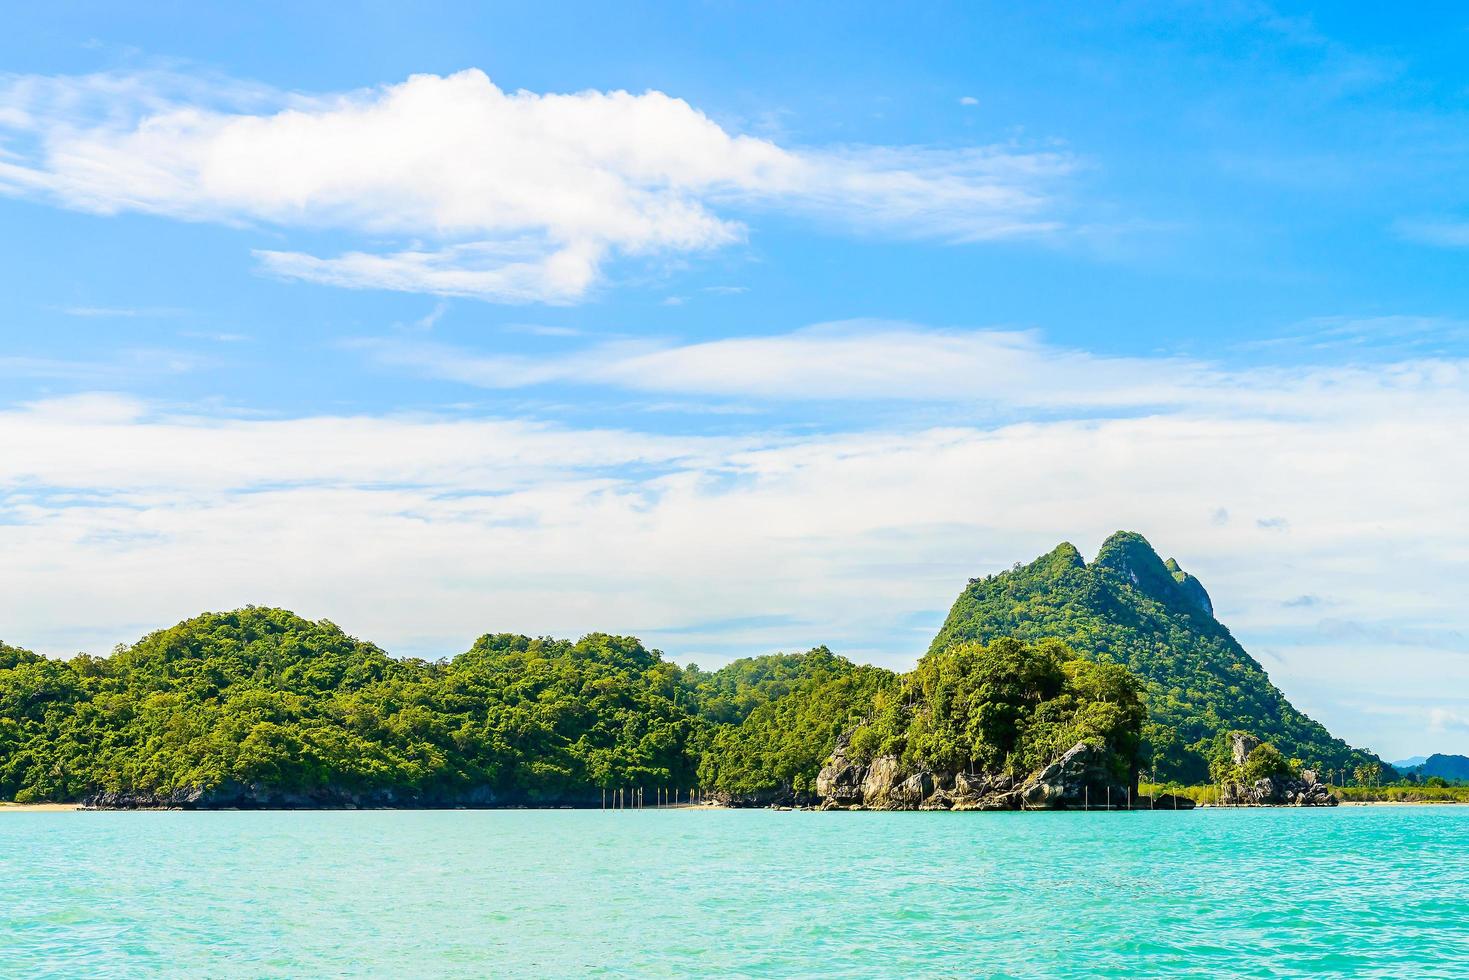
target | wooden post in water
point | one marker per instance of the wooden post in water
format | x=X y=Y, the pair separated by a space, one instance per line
x=1086 y=797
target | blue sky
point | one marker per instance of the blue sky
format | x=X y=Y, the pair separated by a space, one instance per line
x=741 y=327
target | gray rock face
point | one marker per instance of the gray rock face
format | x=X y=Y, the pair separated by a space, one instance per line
x=1191 y=587
x=1241 y=745
x=256 y=796
x=1077 y=778
x=782 y=797
x=883 y=775
x=839 y=783
x=1275 y=791
x=1069 y=781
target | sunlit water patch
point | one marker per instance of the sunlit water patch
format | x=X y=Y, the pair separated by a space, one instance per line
x=1359 y=891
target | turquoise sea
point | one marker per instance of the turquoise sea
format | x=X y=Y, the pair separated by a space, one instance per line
x=1379 y=891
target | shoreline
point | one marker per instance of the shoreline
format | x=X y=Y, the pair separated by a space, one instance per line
x=79 y=808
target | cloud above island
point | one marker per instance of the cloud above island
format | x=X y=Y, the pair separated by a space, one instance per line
x=507 y=196
x=994 y=371
x=423 y=530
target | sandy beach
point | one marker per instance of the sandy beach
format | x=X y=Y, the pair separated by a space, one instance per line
x=37 y=807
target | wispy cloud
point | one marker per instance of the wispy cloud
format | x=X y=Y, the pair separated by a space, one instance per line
x=507 y=196
x=1443 y=232
x=216 y=337
x=117 y=369
x=510 y=524
x=1392 y=333
x=861 y=360
x=125 y=312
x=877 y=361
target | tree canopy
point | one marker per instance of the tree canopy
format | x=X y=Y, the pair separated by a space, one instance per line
x=1131 y=608
x=261 y=696
x=1006 y=707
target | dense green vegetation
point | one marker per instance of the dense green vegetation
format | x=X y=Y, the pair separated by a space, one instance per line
x=1403 y=793
x=1208 y=794
x=308 y=715
x=1130 y=607
x=1450 y=768
x=1264 y=761
x=1009 y=707
x=782 y=742
x=260 y=696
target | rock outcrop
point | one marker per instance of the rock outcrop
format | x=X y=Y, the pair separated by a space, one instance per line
x=1191 y=587
x=1077 y=779
x=1241 y=744
x=1279 y=791
x=783 y=796
x=241 y=796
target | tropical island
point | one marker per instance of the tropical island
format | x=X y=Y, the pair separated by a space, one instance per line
x=1057 y=684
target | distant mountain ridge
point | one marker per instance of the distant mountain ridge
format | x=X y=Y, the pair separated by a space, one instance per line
x=1450 y=767
x=1130 y=606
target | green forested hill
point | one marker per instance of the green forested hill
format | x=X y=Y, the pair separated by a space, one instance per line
x=261 y=697
x=1005 y=707
x=798 y=705
x=262 y=707
x=1130 y=607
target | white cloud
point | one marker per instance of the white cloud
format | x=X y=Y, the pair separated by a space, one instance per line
x=867 y=361
x=519 y=196
x=123 y=366
x=127 y=312
x=851 y=360
x=1445 y=233
x=421 y=532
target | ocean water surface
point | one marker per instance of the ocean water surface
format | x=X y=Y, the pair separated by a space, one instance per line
x=1371 y=891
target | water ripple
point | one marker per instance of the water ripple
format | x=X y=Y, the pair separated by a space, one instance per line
x=1362 y=891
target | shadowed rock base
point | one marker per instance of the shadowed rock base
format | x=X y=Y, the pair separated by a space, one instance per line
x=1078 y=779
x=240 y=796
x=1277 y=791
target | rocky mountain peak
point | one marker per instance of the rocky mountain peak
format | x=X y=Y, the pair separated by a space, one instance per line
x=1128 y=555
x=1192 y=587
